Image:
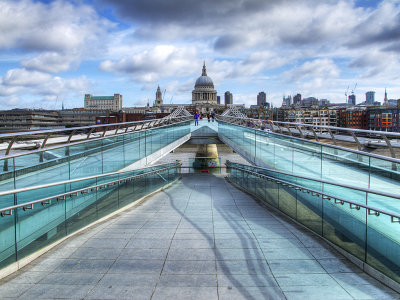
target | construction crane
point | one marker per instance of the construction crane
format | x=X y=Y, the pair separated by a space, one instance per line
x=352 y=91
x=345 y=94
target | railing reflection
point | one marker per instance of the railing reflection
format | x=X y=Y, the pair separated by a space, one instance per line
x=370 y=233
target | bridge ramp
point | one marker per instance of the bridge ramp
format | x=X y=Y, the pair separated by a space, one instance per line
x=199 y=239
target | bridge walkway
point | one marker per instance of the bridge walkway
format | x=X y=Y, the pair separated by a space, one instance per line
x=199 y=239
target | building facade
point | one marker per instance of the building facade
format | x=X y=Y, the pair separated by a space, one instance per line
x=310 y=101
x=113 y=103
x=370 y=97
x=309 y=116
x=80 y=117
x=297 y=100
x=287 y=101
x=228 y=98
x=352 y=99
x=354 y=117
x=261 y=99
x=204 y=91
x=384 y=119
x=28 y=119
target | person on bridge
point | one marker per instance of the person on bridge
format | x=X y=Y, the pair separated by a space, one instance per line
x=196 y=119
x=208 y=117
x=213 y=116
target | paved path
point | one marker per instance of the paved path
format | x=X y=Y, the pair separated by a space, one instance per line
x=199 y=239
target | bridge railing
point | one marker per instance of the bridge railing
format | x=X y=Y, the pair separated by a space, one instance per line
x=362 y=138
x=91 y=156
x=303 y=157
x=35 y=217
x=364 y=223
x=40 y=139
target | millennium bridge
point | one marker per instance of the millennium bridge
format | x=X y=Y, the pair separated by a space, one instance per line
x=155 y=210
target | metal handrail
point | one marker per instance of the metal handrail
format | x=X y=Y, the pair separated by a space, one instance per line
x=48 y=132
x=83 y=141
x=390 y=159
x=325 y=127
x=287 y=125
x=30 y=188
x=396 y=134
x=324 y=181
x=395 y=218
x=29 y=205
x=72 y=128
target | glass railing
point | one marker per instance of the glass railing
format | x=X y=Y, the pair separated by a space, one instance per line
x=306 y=158
x=33 y=218
x=362 y=222
x=82 y=159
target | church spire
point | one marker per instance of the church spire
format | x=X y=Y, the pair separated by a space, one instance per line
x=385 y=101
x=204 y=72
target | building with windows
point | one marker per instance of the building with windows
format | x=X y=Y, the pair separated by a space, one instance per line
x=262 y=99
x=28 y=119
x=310 y=101
x=309 y=116
x=297 y=100
x=353 y=117
x=323 y=102
x=113 y=103
x=370 y=98
x=352 y=99
x=78 y=117
x=228 y=98
x=384 y=119
x=287 y=101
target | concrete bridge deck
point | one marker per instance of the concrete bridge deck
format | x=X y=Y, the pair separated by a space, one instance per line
x=199 y=239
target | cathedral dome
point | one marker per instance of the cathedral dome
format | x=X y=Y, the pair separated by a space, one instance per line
x=204 y=92
x=204 y=80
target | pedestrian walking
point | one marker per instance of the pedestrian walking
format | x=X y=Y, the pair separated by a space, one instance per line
x=208 y=117
x=196 y=119
x=213 y=116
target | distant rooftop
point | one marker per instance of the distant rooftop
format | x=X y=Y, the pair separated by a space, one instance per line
x=102 y=98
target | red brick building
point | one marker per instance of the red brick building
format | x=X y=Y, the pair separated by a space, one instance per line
x=355 y=117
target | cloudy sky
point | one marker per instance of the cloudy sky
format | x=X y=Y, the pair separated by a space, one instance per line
x=53 y=52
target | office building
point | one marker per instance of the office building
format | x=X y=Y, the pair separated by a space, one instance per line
x=287 y=101
x=78 y=117
x=261 y=99
x=228 y=98
x=370 y=97
x=310 y=101
x=323 y=102
x=297 y=100
x=27 y=119
x=352 y=99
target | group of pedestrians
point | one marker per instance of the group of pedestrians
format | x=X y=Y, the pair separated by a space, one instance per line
x=198 y=116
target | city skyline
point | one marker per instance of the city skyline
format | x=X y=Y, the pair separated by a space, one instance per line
x=55 y=52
